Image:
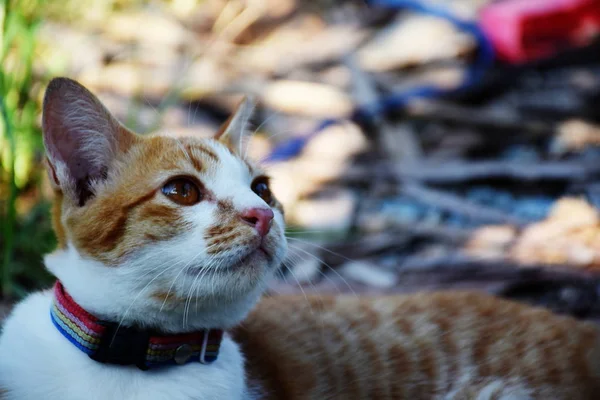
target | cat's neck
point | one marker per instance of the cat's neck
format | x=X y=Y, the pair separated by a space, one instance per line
x=108 y=293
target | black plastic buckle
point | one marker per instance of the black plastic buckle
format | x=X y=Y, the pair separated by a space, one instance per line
x=123 y=346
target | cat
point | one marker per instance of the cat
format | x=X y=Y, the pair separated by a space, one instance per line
x=172 y=235
x=165 y=246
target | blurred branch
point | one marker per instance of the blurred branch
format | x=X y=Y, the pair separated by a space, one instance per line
x=459 y=171
x=462 y=171
x=398 y=144
x=452 y=113
x=251 y=11
x=396 y=237
x=459 y=205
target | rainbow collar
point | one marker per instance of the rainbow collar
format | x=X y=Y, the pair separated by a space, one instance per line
x=106 y=342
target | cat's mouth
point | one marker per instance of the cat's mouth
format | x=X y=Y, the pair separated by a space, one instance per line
x=254 y=259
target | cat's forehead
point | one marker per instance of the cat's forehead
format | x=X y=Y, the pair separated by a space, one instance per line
x=207 y=158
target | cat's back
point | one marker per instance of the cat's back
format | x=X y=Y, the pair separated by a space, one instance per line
x=431 y=345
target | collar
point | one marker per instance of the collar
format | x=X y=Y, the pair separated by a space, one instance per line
x=106 y=342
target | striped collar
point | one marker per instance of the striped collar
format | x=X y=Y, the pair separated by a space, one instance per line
x=107 y=342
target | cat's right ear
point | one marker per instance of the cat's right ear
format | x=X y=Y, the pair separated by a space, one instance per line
x=81 y=138
x=232 y=132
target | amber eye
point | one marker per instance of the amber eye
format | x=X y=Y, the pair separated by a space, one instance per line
x=260 y=186
x=182 y=191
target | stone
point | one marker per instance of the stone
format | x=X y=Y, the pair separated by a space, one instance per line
x=307 y=98
x=369 y=274
x=329 y=210
x=147 y=27
x=413 y=40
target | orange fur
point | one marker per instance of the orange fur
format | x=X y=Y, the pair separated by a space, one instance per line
x=125 y=215
x=59 y=229
x=416 y=347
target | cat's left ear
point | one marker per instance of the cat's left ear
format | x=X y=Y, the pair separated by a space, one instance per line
x=232 y=132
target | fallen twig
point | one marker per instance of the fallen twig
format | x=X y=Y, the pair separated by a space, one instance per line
x=482 y=119
x=459 y=205
x=458 y=171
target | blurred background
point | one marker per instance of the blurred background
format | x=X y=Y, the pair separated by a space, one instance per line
x=414 y=144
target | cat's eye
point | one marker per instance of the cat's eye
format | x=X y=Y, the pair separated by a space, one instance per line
x=182 y=191
x=260 y=186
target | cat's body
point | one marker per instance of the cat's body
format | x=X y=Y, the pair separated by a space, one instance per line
x=447 y=345
x=171 y=238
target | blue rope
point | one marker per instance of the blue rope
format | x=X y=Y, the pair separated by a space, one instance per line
x=485 y=57
x=294 y=146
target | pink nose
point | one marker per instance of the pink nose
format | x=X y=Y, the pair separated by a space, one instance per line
x=260 y=218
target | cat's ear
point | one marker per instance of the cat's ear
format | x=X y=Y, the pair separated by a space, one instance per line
x=233 y=131
x=81 y=138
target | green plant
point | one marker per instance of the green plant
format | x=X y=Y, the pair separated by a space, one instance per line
x=20 y=138
x=25 y=228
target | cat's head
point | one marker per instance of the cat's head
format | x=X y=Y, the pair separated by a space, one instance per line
x=157 y=230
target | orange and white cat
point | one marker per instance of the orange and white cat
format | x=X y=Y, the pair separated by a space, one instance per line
x=166 y=239
x=143 y=224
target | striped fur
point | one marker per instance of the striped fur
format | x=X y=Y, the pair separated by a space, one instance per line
x=448 y=345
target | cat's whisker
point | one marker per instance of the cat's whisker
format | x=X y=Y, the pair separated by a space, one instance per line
x=310 y=282
x=308 y=231
x=195 y=112
x=281 y=272
x=150 y=105
x=299 y=287
x=201 y=273
x=185 y=303
x=319 y=295
x=164 y=303
x=322 y=324
x=323 y=274
x=159 y=267
x=189 y=113
x=177 y=276
x=281 y=133
x=255 y=131
x=328 y=266
x=155 y=268
x=321 y=248
x=266 y=120
x=134 y=300
x=185 y=153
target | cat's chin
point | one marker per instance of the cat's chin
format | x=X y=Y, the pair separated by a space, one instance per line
x=257 y=262
x=258 y=259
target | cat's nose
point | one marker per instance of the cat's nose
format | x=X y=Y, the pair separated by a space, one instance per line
x=259 y=218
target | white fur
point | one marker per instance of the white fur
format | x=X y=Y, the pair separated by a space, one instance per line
x=36 y=362
x=501 y=389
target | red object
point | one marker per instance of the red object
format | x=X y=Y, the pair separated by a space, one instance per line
x=524 y=30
